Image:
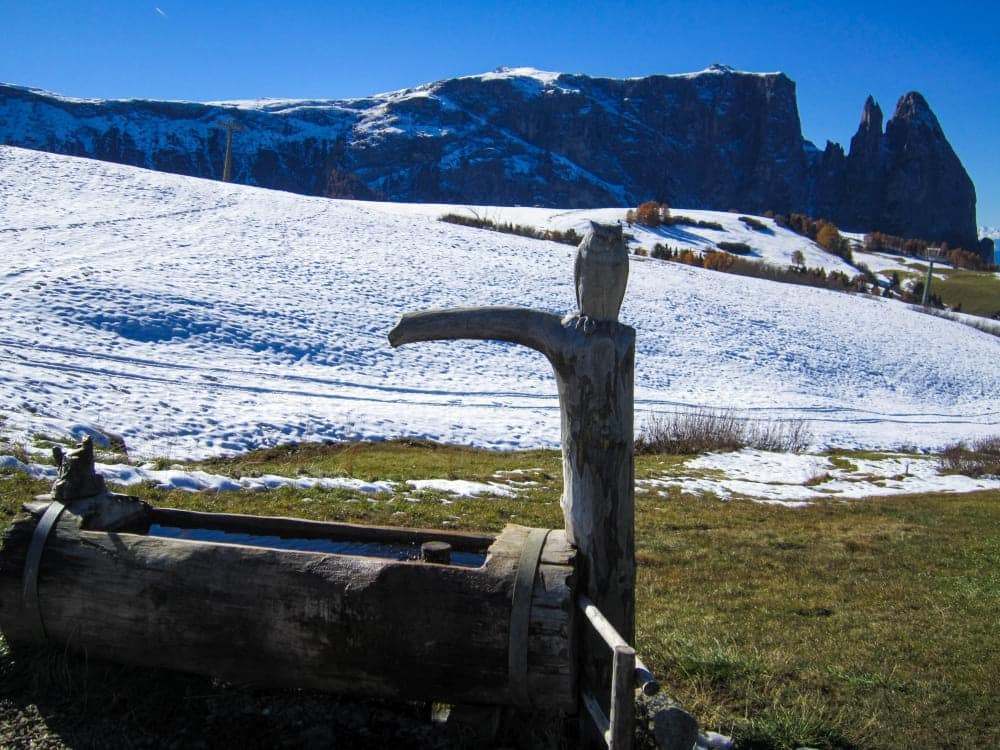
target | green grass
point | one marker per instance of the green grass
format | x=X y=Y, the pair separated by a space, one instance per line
x=978 y=293
x=864 y=624
x=861 y=624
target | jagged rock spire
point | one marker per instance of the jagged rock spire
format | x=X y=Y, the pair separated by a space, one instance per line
x=865 y=143
x=871 y=116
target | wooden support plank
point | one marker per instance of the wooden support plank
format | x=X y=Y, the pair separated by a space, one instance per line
x=622 y=718
x=601 y=624
x=601 y=722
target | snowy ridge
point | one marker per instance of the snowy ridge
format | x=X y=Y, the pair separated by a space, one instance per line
x=718 y=69
x=546 y=79
x=194 y=318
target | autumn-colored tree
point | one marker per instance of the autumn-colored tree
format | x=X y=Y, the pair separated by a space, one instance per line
x=648 y=214
x=829 y=238
x=718 y=261
x=964 y=259
x=688 y=257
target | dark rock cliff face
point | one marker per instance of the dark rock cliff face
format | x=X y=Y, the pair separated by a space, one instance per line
x=906 y=181
x=716 y=139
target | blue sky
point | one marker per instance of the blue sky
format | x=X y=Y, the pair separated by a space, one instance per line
x=837 y=52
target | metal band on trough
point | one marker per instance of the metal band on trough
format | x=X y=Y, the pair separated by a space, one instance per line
x=33 y=563
x=520 y=616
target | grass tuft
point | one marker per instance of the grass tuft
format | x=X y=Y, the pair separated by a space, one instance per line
x=790 y=727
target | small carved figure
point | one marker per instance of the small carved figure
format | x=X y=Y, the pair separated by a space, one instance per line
x=77 y=476
x=601 y=274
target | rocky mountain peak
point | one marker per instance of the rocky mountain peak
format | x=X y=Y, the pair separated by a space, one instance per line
x=929 y=193
x=866 y=142
x=913 y=109
x=871 y=116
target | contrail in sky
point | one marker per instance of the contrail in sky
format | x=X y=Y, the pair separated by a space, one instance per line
x=161 y=12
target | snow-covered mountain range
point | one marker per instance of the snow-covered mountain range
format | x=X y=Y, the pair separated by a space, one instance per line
x=193 y=317
x=718 y=139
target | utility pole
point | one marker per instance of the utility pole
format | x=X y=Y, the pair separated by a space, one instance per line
x=227 y=169
x=927 y=282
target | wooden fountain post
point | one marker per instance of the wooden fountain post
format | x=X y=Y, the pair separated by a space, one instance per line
x=593 y=359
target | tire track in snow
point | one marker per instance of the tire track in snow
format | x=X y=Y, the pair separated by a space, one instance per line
x=465 y=398
x=122 y=220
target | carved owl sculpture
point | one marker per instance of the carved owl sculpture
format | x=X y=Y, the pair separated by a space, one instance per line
x=601 y=274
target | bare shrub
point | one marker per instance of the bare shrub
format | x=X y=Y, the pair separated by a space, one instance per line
x=980 y=458
x=702 y=430
x=676 y=220
x=779 y=435
x=569 y=237
x=756 y=224
x=740 y=248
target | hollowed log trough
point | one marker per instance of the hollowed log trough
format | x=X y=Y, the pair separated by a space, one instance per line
x=98 y=576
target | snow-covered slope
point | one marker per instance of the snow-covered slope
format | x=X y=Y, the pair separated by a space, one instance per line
x=193 y=317
x=774 y=245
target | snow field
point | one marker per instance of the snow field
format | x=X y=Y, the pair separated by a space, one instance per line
x=195 y=318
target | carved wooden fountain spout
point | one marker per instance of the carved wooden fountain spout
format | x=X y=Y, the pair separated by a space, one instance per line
x=592 y=355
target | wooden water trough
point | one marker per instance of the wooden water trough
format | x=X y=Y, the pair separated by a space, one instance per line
x=474 y=619
x=283 y=601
